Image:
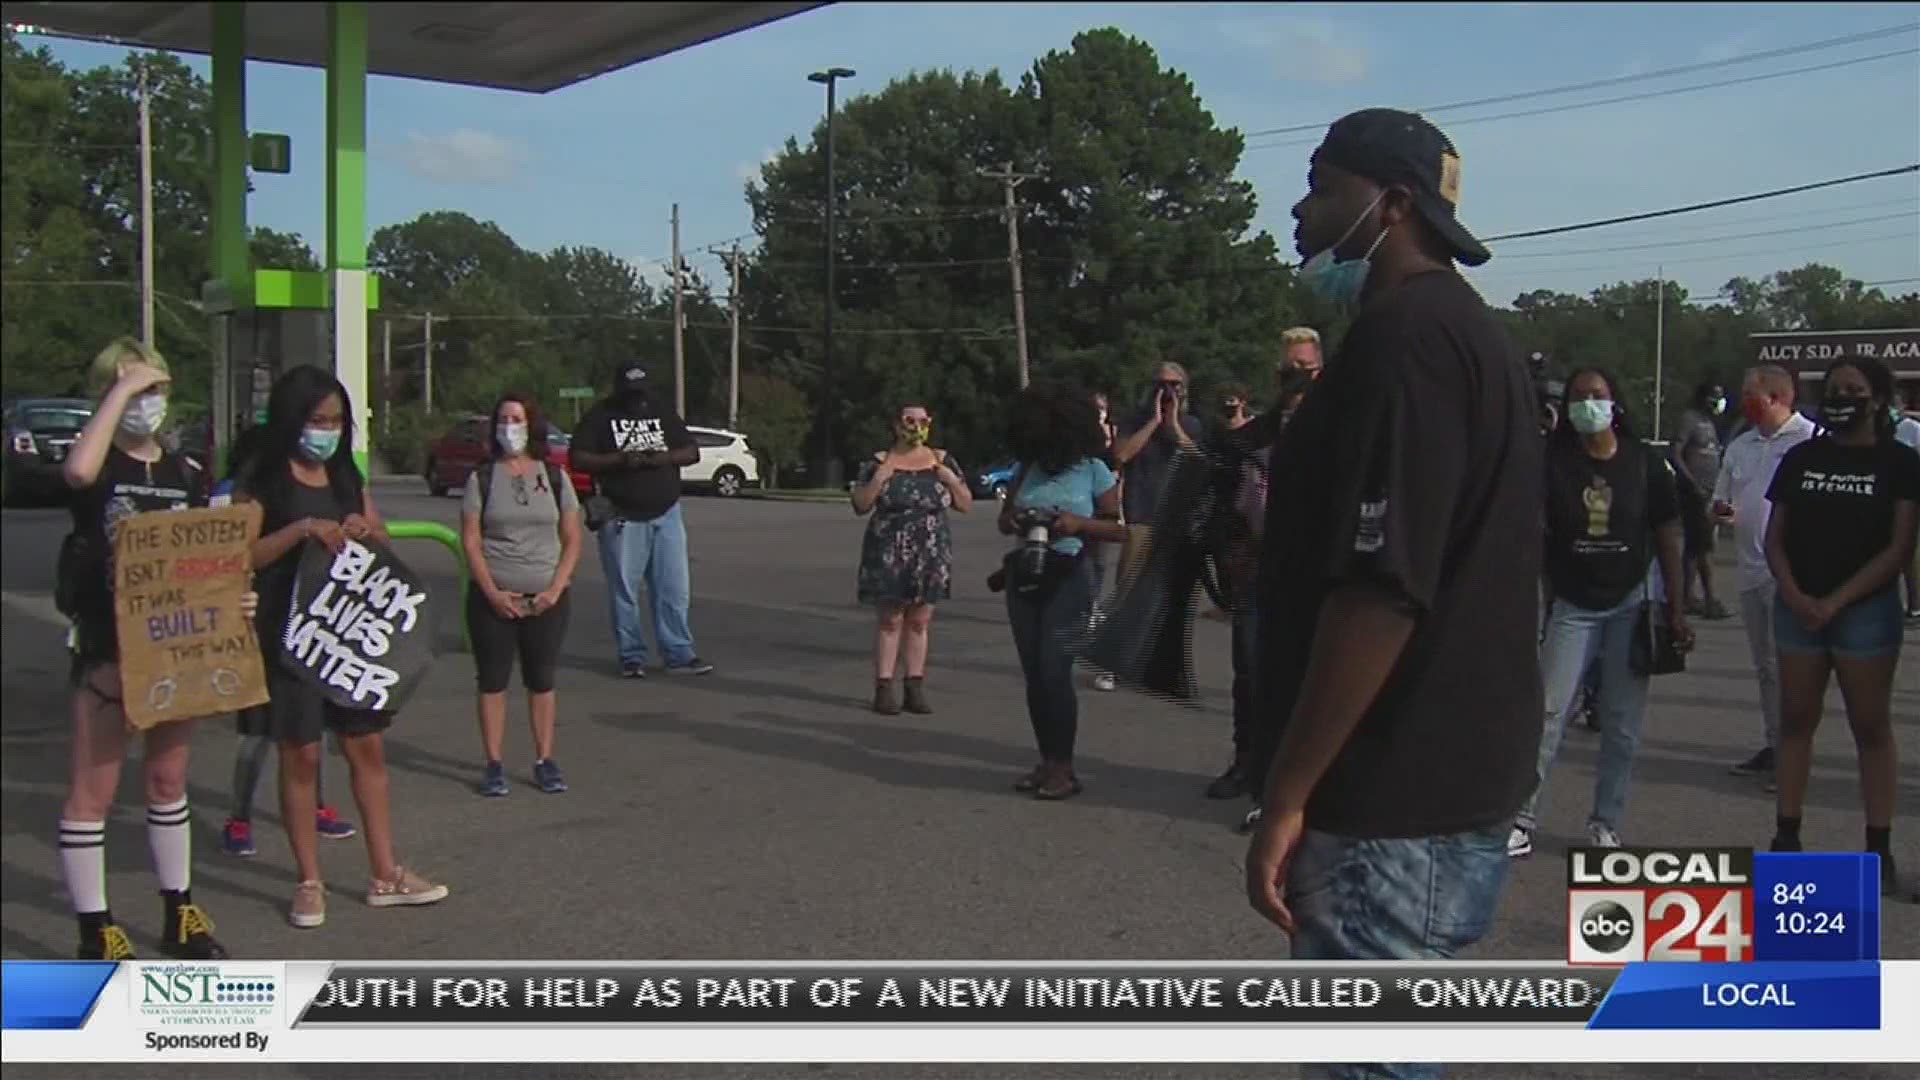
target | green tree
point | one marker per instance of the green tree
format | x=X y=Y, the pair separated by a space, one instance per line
x=775 y=417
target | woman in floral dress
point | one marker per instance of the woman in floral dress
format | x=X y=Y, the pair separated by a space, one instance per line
x=906 y=557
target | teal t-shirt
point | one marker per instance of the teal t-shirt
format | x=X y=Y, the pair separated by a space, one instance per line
x=1073 y=491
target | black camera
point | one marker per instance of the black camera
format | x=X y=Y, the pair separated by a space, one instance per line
x=1547 y=392
x=1026 y=565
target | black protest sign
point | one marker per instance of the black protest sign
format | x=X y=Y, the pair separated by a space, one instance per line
x=359 y=630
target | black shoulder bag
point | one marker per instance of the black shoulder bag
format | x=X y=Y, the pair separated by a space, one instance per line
x=1654 y=652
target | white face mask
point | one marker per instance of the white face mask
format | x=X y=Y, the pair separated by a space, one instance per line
x=144 y=415
x=512 y=437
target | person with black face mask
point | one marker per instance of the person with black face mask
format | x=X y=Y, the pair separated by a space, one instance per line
x=635 y=449
x=1844 y=510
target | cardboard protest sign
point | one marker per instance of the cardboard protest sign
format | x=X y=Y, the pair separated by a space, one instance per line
x=186 y=650
x=359 y=630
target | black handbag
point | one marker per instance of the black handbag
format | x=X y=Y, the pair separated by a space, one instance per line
x=1654 y=650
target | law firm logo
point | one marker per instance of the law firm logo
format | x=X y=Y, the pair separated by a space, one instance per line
x=1625 y=905
x=206 y=995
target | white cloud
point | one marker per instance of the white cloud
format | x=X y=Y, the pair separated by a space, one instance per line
x=464 y=155
x=750 y=170
x=1309 y=48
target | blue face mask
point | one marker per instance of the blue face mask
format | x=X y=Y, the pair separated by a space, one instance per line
x=1342 y=280
x=319 y=444
x=1591 y=416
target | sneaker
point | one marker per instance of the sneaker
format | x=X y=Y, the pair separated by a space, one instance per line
x=1761 y=762
x=547 y=776
x=332 y=825
x=1599 y=835
x=1715 y=611
x=1519 y=843
x=189 y=934
x=1231 y=784
x=493 y=783
x=633 y=671
x=406 y=889
x=108 y=943
x=1103 y=683
x=693 y=666
x=1783 y=842
x=309 y=907
x=1031 y=781
x=236 y=839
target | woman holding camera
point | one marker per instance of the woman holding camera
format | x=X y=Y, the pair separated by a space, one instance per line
x=1064 y=498
x=906 y=557
x=1610 y=507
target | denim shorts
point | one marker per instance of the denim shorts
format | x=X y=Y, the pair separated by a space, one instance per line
x=1866 y=630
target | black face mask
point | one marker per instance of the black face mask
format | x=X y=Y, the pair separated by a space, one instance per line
x=1844 y=412
x=634 y=399
x=1293 y=380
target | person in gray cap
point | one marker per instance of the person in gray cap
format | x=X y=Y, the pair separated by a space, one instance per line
x=1402 y=683
x=635 y=448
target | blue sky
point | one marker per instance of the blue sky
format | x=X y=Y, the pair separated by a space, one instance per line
x=600 y=163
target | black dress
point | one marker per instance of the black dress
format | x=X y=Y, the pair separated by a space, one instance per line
x=906 y=556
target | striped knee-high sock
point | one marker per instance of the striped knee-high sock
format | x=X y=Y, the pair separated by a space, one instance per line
x=83 y=861
x=170 y=837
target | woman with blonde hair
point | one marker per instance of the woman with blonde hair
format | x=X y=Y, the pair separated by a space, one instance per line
x=117 y=469
x=906 y=557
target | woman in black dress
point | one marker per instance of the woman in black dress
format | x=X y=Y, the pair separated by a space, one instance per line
x=117 y=469
x=1845 y=505
x=311 y=490
x=906 y=556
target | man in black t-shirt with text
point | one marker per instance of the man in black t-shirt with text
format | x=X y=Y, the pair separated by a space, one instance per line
x=635 y=448
x=1400 y=575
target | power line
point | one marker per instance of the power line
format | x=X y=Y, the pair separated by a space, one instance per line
x=1666 y=230
x=1694 y=207
x=1709 y=239
x=1647 y=96
x=1684 y=69
x=1716 y=257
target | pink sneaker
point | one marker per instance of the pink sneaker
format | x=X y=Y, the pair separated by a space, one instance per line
x=405 y=889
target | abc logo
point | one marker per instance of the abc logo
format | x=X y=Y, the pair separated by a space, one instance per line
x=1606 y=927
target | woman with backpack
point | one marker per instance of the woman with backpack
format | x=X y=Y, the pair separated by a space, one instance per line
x=520 y=526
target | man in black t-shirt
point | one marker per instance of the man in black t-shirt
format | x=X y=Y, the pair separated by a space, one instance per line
x=635 y=448
x=1399 y=575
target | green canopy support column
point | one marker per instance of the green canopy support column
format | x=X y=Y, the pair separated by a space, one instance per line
x=232 y=286
x=347 y=208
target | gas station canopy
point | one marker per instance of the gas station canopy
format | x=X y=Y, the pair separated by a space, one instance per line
x=534 y=48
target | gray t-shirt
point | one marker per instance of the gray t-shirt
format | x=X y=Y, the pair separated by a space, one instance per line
x=1696 y=445
x=1146 y=474
x=520 y=531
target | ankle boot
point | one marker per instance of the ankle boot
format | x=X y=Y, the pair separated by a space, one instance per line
x=884 y=702
x=917 y=696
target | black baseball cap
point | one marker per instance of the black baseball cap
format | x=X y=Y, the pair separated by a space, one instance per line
x=630 y=379
x=1388 y=146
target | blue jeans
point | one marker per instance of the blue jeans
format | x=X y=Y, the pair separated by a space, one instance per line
x=1576 y=638
x=1868 y=629
x=654 y=552
x=1424 y=898
x=1040 y=630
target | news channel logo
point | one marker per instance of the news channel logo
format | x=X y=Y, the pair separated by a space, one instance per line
x=206 y=995
x=1606 y=926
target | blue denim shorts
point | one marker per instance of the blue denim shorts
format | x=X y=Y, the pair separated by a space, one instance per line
x=1867 y=630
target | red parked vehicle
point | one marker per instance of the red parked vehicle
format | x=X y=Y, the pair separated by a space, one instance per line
x=463 y=449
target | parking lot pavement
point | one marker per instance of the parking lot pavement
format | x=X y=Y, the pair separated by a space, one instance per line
x=762 y=812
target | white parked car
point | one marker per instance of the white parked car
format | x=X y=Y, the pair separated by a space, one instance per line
x=726 y=466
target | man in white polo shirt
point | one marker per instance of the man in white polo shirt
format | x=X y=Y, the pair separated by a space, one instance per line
x=1740 y=498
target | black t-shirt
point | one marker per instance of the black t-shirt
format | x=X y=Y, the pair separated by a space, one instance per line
x=1600 y=520
x=616 y=426
x=286 y=503
x=126 y=486
x=1414 y=466
x=1840 y=501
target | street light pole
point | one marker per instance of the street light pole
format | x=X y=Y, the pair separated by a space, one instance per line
x=833 y=471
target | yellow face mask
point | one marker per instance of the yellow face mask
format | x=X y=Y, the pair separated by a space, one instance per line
x=916 y=433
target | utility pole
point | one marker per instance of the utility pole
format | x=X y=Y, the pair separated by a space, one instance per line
x=1011 y=180
x=427 y=390
x=146 y=212
x=386 y=376
x=733 y=352
x=679 y=324
x=834 y=470
x=1659 y=352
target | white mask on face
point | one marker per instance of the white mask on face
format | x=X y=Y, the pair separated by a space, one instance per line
x=513 y=437
x=144 y=415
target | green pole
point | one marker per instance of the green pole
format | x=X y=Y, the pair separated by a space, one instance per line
x=231 y=266
x=446 y=538
x=347 y=209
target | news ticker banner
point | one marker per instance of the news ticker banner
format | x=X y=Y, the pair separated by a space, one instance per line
x=1721 y=904
x=679 y=1011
